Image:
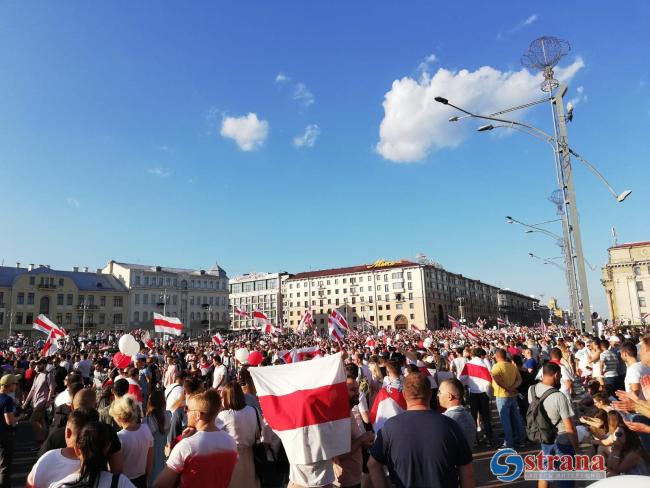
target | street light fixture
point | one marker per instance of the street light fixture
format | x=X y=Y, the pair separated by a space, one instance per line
x=544 y=54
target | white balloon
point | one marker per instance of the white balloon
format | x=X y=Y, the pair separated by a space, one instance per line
x=128 y=345
x=242 y=354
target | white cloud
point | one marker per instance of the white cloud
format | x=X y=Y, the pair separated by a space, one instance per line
x=159 y=171
x=247 y=131
x=308 y=139
x=530 y=19
x=579 y=96
x=72 y=202
x=427 y=63
x=414 y=124
x=303 y=95
x=281 y=78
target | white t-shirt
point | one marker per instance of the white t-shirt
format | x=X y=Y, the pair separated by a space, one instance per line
x=320 y=473
x=105 y=480
x=62 y=398
x=205 y=459
x=218 y=376
x=50 y=468
x=565 y=376
x=240 y=424
x=135 y=447
x=172 y=393
x=457 y=365
x=84 y=367
x=634 y=374
x=583 y=357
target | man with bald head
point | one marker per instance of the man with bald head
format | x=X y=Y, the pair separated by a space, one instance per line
x=86 y=400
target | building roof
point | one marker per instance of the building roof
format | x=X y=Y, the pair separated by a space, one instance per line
x=352 y=269
x=214 y=270
x=631 y=244
x=82 y=280
x=504 y=291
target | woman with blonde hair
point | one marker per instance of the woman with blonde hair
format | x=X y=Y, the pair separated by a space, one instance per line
x=136 y=439
x=242 y=422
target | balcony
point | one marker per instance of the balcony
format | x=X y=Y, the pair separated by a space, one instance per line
x=87 y=307
x=47 y=286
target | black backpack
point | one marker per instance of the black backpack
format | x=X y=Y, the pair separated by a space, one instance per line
x=539 y=427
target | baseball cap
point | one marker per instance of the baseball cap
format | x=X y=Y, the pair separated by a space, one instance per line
x=9 y=379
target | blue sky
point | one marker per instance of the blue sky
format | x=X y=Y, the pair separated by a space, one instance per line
x=125 y=133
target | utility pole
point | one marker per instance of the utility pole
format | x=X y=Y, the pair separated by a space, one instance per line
x=83 y=318
x=461 y=309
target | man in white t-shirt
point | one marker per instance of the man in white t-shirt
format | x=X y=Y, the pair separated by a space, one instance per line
x=584 y=359
x=206 y=456
x=174 y=392
x=56 y=464
x=566 y=378
x=84 y=366
x=220 y=374
x=635 y=369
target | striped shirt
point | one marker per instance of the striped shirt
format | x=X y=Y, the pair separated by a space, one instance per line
x=610 y=363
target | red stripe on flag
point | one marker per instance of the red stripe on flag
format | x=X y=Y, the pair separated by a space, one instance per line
x=165 y=323
x=476 y=371
x=306 y=407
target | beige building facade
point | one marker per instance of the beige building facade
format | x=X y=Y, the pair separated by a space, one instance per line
x=198 y=297
x=389 y=294
x=256 y=291
x=74 y=300
x=626 y=279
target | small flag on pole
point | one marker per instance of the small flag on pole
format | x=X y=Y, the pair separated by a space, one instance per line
x=217 y=339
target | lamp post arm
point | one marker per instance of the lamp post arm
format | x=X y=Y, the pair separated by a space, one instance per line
x=593 y=169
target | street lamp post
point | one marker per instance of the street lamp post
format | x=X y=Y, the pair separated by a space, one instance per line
x=544 y=54
x=461 y=309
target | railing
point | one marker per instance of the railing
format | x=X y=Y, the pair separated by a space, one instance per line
x=47 y=286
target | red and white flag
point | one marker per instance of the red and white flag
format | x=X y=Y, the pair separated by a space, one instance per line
x=262 y=321
x=297 y=355
x=217 y=339
x=148 y=341
x=542 y=326
x=306 y=404
x=51 y=346
x=367 y=323
x=467 y=332
x=476 y=375
x=167 y=325
x=370 y=342
x=644 y=317
x=335 y=330
x=241 y=313
x=453 y=323
x=337 y=317
x=45 y=325
x=306 y=322
x=501 y=322
x=388 y=403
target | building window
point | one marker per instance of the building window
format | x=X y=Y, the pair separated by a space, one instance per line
x=145 y=299
x=174 y=299
x=59 y=318
x=641 y=302
x=32 y=280
x=19 y=318
x=137 y=299
x=20 y=299
x=146 y=281
x=102 y=318
x=117 y=318
x=412 y=316
x=136 y=316
x=411 y=305
x=399 y=306
x=117 y=302
x=59 y=299
x=639 y=286
x=637 y=270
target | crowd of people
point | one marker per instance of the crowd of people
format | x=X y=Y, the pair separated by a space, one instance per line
x=186 y=412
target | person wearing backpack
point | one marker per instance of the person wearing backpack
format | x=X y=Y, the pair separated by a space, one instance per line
x=549 y=420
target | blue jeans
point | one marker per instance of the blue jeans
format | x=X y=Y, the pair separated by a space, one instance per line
x=549 y=449
x=513 y=424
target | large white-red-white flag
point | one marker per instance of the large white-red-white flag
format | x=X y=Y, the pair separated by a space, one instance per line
x=167 y=325
x=306 y=404
x=45 y=325
x=337 y=317
x=263 y=322
x=542 y=326
x=388 y=403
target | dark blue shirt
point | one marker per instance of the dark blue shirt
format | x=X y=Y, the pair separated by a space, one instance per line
x=422 y=449
x=531 y=364
x=7 y=405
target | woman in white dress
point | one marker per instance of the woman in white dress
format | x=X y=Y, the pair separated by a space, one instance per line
x=242 y=423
